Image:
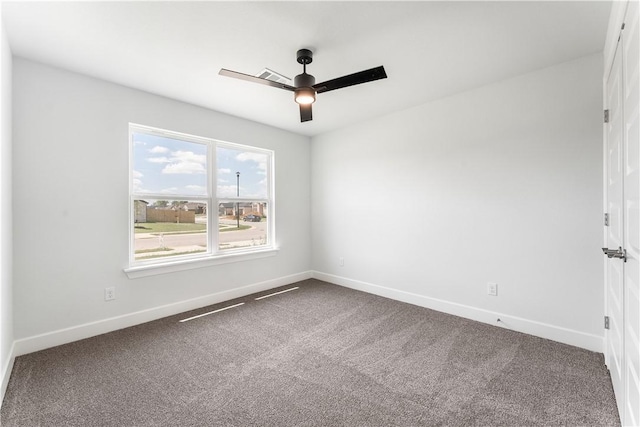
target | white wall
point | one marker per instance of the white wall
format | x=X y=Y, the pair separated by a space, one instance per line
x=71 y=204
x=500 y=184
x=6 y=275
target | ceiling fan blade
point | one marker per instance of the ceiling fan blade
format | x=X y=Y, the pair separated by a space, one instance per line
x=305 y=113
x=254 y=79
x=351 y=80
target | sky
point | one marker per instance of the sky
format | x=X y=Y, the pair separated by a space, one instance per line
x=171 y=167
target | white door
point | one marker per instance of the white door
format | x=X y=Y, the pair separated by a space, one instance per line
x=615 y=231
x=630 y=43
x=622 y=350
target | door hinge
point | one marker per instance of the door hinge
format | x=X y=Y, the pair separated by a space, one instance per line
x=606 y=322
x=606 y=220
x=606 y=116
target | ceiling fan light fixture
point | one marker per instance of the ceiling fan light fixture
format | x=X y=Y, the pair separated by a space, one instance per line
x=305 y=95
x=304 y=85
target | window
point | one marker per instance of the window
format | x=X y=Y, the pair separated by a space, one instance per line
x=195 y=198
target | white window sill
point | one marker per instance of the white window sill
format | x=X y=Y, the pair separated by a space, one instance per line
x=145 y=270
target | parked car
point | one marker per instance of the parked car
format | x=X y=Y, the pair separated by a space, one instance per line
x=252 y=218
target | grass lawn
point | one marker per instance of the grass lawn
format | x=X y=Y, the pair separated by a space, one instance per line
x=182 y=228
x=170 y=227
x=233 y=228
x=144 y=251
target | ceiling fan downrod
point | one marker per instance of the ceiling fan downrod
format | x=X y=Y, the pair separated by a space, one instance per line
x=304 y=94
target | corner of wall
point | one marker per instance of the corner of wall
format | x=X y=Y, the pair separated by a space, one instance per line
x=91 y=329
x=539 y=329
x=616 y=17
x=6 y=233
x=5 y=374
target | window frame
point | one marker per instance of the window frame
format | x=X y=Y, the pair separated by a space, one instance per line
x=213 y=254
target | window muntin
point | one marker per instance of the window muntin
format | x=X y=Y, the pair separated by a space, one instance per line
x=182 y=188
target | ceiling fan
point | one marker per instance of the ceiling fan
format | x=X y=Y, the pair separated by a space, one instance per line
x=304 y=85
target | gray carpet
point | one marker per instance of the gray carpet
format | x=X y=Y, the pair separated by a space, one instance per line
x=321 y=355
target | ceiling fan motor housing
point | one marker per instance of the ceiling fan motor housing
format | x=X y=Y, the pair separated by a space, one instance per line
x=304 y=80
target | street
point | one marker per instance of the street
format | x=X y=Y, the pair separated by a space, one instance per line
x=255 y=234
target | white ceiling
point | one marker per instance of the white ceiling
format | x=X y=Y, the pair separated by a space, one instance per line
x=429 y=49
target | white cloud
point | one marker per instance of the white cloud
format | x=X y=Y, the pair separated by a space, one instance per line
x=184 y=167
x=223 y=171
x=170 y=190
x=260 y=159
x=137 y=174
x=196 y=189
x=185 y=162
x=158 y=160
x=159 y=150
x=256 y=157
x=227 y=190
x=137 y=184
x=188 y=156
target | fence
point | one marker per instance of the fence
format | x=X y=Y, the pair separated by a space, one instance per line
x=168 y=215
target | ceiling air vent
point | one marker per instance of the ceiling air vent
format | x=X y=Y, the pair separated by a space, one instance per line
x=272 y=75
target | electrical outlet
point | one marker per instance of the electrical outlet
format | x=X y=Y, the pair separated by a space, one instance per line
x=492 y=289
x=341 y=261
x=109 y=293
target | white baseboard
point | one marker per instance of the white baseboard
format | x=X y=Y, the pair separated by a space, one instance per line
x=6 y=372
x=75 y=333
x=531 y=327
